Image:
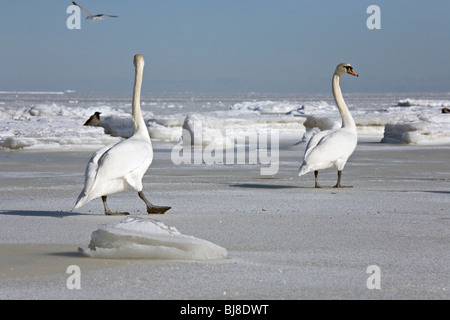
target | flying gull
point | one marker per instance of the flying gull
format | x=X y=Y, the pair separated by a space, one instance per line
x=91 y=16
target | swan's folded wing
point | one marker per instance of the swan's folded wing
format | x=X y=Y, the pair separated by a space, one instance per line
x=91 y=170
x=333 y=146
x=122 y=159
x=314 y=141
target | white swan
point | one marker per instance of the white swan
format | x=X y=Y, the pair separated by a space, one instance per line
x=91 y=16
x=115 y=167
x=332 y=147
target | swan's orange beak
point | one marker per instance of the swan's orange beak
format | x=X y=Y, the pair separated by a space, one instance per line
x=353 y=73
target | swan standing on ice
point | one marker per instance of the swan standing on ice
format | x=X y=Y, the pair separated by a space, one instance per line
x=114 y=168
x=93 y=17
x=332 y=147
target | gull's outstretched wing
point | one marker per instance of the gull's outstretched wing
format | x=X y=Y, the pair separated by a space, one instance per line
x=85 y=10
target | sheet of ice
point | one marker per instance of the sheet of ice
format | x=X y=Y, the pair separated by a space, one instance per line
x=144 y=238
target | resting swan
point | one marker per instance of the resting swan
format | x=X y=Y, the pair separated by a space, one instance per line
x=114 y=168
x=332 y=147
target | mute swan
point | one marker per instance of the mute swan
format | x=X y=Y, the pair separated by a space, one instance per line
x=115 y=167
x=91 y=16
x=332 y=147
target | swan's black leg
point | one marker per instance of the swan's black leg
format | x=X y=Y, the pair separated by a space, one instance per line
x=317 y=185
x=316 y=174
x=338 y=183
x=109 y=212
x=151 y=208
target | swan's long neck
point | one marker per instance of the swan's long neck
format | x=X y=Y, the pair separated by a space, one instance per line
x=347 y=119
x=138 y=119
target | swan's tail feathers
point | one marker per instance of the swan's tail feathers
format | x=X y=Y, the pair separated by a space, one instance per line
x=304 y=169
x=81 y=201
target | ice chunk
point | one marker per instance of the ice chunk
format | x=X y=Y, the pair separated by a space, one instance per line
x=144 y=238
x=428 y=130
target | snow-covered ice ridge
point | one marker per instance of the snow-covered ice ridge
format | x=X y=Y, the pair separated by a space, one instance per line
x=430 y=126
x=55 y=120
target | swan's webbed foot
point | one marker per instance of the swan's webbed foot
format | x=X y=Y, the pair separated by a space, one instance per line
x=152 y=209
x=316 y=183
x=341 y=186
x=318 y=186
x=338 y=183
x=110 y=213
x=157 y=209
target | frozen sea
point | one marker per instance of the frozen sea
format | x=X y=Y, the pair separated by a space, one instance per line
x=232 y=233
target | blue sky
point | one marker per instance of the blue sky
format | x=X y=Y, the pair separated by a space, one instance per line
x=225 y=46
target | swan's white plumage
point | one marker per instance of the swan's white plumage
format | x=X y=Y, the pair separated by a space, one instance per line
x=332 y=147
x=115 y=167
x=327 y=149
